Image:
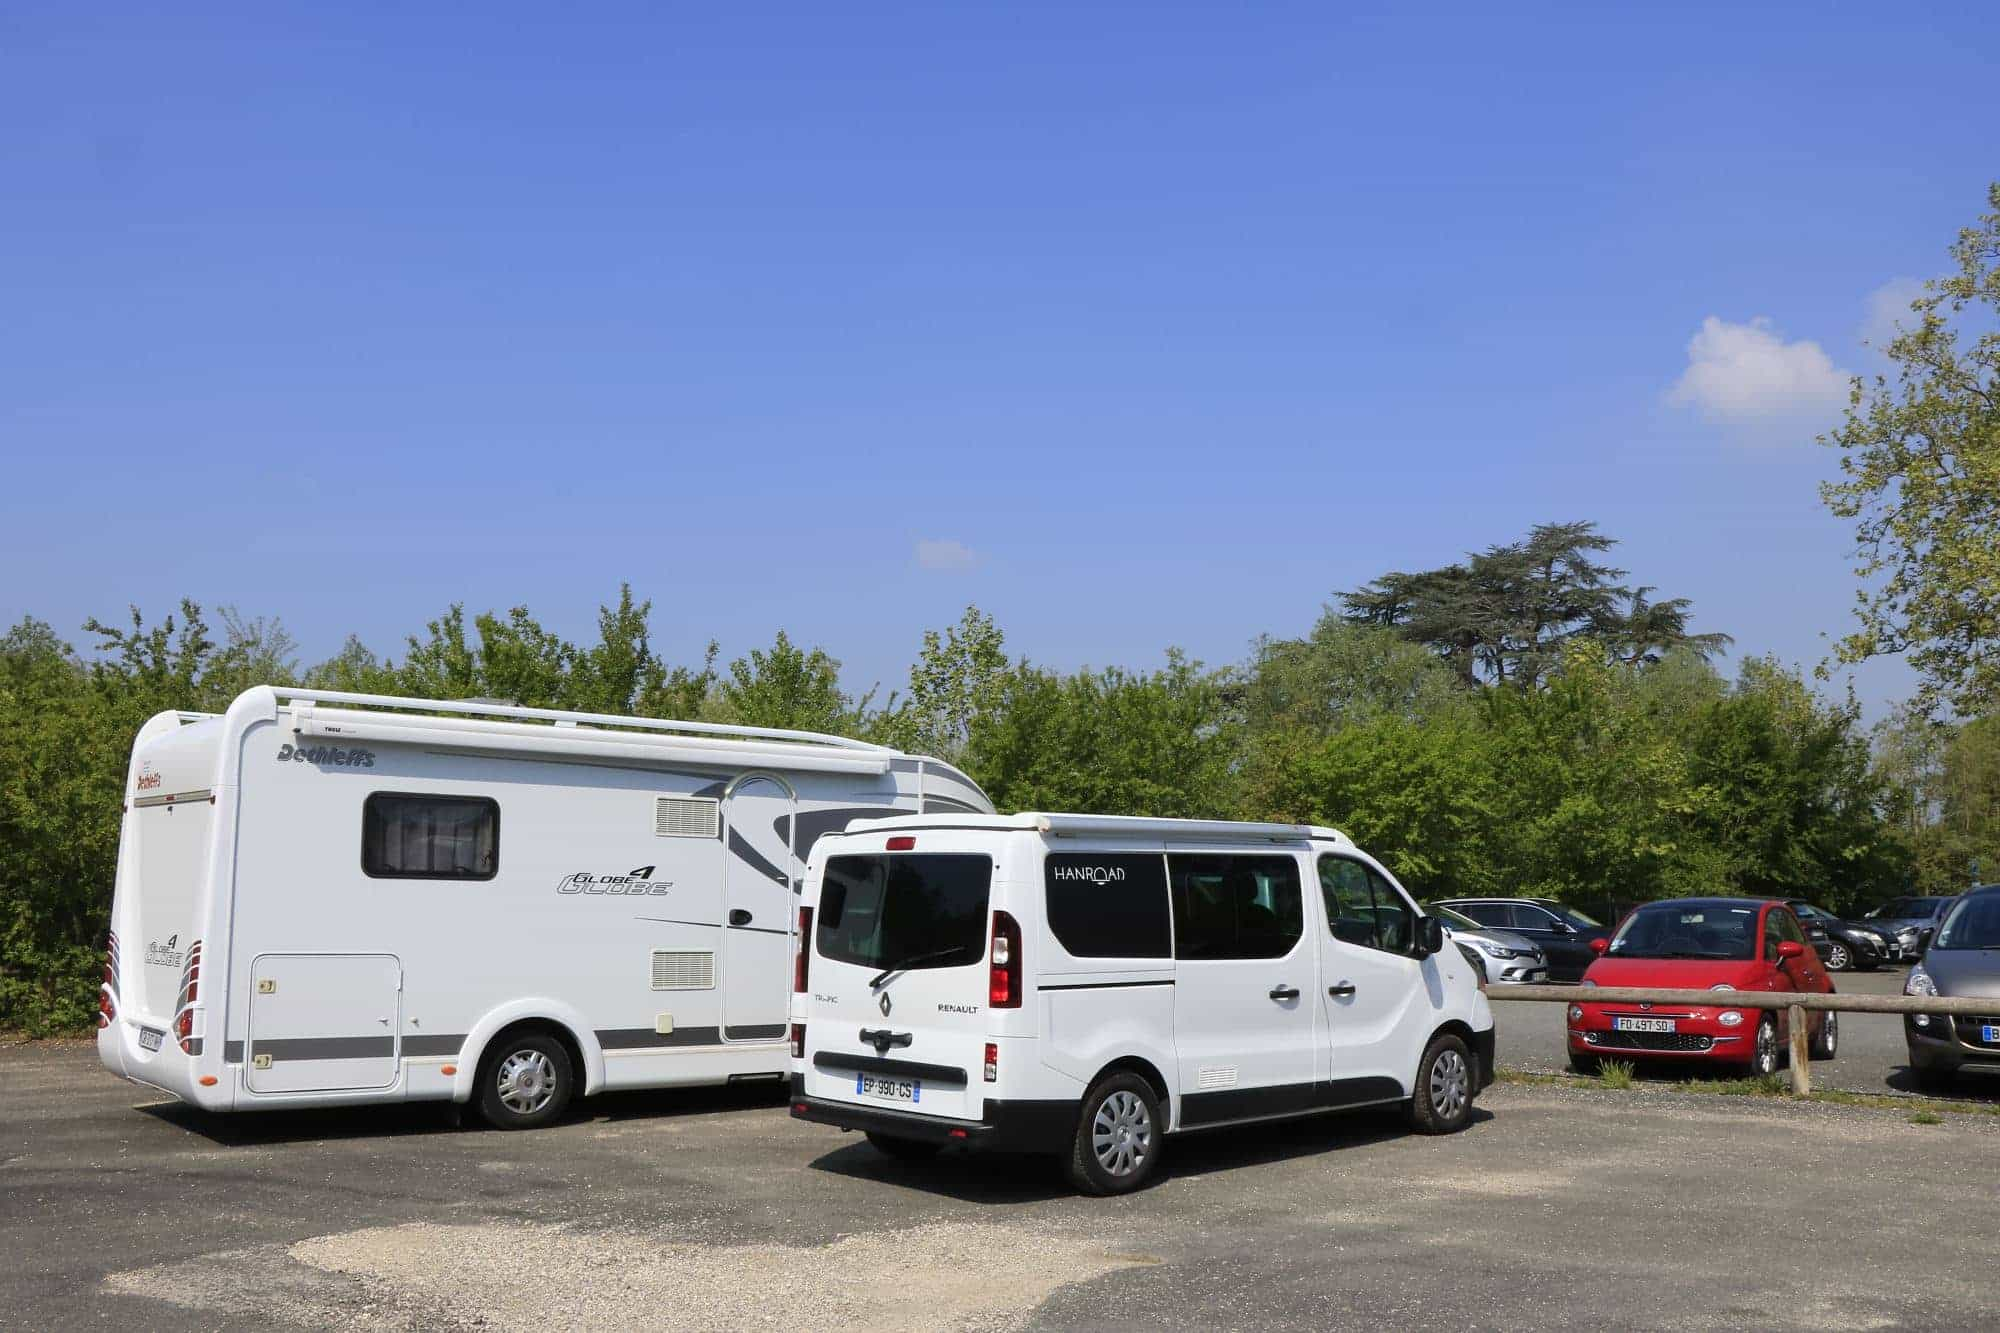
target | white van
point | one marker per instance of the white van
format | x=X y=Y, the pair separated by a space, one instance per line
x=1085 y=985
x=329 y=898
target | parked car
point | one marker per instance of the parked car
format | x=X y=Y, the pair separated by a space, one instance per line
x=1903 y=921
x=1715 y=944
x=1502 y=957
x=1963 y=959
x=1563 y=934
x=1841 y=945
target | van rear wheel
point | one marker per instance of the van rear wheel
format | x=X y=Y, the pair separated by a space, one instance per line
x=1118 y=1137
x=903 y=1150
x=525 y=1081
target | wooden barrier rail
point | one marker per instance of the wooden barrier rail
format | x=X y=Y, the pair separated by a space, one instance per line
x=1796 y=1003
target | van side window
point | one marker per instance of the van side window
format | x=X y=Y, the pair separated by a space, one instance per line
x=1109 y=904
x=410 y=836
x=1363 y=908
x=1228 y=906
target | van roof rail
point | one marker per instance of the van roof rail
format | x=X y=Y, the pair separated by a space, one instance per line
x=1057 y=825
x=561 y=716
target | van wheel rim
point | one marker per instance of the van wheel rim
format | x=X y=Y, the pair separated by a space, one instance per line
x=1450 y=1085
x=527 y=1082
x=1121 y=1133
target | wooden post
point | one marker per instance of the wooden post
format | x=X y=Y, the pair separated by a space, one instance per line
x=1801 y=1052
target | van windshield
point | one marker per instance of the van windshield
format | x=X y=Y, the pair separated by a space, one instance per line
x=915 y=910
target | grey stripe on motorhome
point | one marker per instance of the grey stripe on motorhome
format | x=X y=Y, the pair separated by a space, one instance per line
x=173 y=798
x=324 y=1048
x=629 y=1039
x=753 y=858
x=755 y=1032
x=946 y=805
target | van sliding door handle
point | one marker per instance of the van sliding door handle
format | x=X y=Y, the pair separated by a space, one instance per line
x=1345 y=988
x=1284 y=992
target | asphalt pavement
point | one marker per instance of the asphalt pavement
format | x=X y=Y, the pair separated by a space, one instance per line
x=1559 y=1207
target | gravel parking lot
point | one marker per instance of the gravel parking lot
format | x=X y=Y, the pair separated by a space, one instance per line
x=1558 y=1207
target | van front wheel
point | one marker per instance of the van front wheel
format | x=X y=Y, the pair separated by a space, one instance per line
x=1118 y=1137
x=525 y=1082
x=1443 y=1100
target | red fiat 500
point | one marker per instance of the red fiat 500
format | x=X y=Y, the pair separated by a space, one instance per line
x=1716 y=944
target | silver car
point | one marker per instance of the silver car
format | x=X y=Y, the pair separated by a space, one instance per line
x=1504 y=958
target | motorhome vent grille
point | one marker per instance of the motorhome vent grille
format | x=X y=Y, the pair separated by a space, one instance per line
x=687 y=817
x=683 y=969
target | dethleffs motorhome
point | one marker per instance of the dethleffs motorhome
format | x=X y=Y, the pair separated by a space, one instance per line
x=328 y=898
x=1086 y=985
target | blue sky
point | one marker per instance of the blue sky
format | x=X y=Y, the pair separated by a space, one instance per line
x=1137 y=326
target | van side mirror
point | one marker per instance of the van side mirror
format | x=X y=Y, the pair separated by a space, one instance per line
x=1430 y=936
x=1790 y=949
x=1599 y=945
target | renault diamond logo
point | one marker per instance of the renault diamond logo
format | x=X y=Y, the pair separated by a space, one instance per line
x=884 y=1005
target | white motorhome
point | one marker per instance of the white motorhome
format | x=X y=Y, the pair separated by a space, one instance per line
x=1086 y=985
x=328 y=898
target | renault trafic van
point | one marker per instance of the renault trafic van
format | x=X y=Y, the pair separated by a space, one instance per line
x=1087 y=985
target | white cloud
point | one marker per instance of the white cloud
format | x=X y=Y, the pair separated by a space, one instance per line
x=1888 y=307
x=943 y=553
x=1747 y=375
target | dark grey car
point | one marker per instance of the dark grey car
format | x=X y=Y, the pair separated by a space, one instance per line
x=1963 y=959
x=1902 y=922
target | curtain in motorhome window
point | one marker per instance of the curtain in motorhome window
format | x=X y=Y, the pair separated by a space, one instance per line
x=430 y=837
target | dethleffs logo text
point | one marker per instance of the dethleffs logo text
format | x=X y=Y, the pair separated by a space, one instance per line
x=326 y=754
x=1092 y=874
x=637 y=883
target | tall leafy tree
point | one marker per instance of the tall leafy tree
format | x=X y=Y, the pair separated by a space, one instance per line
x=1506 y=614
x=1920 y=465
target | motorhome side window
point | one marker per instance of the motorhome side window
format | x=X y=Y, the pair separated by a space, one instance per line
x=1109 y=904
x=1229 y=906
x=412 y=836
x=1362 y=908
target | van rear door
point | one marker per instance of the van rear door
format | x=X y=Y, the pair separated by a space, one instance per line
x=898 y=981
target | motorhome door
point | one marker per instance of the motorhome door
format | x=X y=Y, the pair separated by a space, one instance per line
x=760 y=871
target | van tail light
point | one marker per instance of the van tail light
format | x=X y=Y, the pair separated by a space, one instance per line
x=107 y=989
x=992 y=1062
x=802 y=955
x=904 y=843
x=184 y=1006
x=1003 y=986
x=798 y=1041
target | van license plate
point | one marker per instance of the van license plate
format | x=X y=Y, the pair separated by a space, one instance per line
x=889 y=1089
x=1642 y=1024
x=149 y=1039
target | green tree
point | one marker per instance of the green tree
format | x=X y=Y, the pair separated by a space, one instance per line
x=1920 y=464
x=1110 y=742
x=1507 y=614
x=787 y=686
x=955 y=680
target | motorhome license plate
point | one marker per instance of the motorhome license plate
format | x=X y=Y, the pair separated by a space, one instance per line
x=889 y=1089
x=149 y=1039
x=1642 y=1024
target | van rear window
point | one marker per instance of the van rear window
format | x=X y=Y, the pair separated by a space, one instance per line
x=1109 y=904
x=912 y=910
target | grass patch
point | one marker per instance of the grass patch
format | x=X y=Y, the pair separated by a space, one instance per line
x=1776 y=1086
